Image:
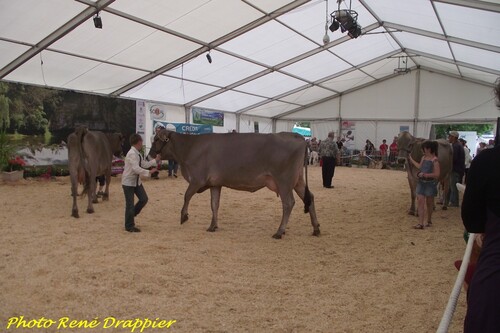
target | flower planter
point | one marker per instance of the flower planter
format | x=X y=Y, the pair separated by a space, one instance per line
x=12 y=176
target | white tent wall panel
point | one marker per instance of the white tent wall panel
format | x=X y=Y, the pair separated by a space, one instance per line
x=444 y=98
x=247 y=124
x=326 y=110
x=389 y=99
x=320 y=129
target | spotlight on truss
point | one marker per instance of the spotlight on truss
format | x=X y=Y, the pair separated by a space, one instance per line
x=97 y=21
x=346 y=20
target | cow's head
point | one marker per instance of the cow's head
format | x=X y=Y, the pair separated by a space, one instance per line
x=163 y=144
x=405 y=146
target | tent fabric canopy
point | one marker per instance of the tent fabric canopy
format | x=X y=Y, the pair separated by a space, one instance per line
x=268 y=57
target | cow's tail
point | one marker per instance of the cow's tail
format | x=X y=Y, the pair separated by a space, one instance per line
x=307 y=193
x=80 y=135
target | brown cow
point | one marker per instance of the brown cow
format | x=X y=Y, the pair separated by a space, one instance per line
x=275 y=161
x=408 y=144
x=89 y=155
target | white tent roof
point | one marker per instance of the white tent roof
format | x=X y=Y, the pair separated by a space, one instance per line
x=268 y=55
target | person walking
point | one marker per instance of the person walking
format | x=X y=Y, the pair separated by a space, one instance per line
x=427 y=182
x=328 y=151
x=135 y=167
x=458 y=170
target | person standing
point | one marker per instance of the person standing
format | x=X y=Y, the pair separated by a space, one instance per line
x=393 y=150
x=481 y=214
x=173 y=166
x=458 y=170
x=383 y=149
x=468 y=158
x=135 y=167
x=427 y=181
x=328 y=151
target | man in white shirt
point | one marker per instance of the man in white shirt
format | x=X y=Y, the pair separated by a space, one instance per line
x=135 y=167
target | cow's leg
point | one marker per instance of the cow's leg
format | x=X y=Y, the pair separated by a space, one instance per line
x=300 y=189
x=191 y=190
x=74 y=193
x=413 y=185
x=288 y=202
x=91 y=193
x=446 y=189
x=105 y=196
x=215 y=196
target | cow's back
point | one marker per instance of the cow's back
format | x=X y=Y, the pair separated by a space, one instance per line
x=97 y=150
x=258 y=151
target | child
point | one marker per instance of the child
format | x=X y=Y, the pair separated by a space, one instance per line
x=427 y=181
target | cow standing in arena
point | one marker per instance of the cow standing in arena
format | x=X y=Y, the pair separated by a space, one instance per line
x=409 y=145
x=275 y=161
x=90 y=154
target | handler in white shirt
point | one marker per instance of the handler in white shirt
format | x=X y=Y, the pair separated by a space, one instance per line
x=135 y=167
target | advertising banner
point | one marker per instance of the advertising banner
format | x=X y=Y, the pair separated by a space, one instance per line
x=204 y=117
x=184 y=128
x=347 y=135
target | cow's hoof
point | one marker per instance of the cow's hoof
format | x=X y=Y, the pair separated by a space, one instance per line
x=90 y=210
x=75 y=214
x=105 y=197
x=212 y=229
x=445 y=208
x=95 y=201
x=316 y=233
x=277 y=236
x=184 y=218
x=411 y=213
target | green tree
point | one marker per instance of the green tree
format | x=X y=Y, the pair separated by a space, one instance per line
x=442 y=130
x=4 y=112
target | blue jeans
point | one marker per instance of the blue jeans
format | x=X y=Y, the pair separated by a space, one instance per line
x=173 y=166
x=130 y=210
x=453 y=193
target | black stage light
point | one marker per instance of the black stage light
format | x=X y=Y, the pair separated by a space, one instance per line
x=334 y=26
x=355 y=31
x=209 y=58
x=97 y=21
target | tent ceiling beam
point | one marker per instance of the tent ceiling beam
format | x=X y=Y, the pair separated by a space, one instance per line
x=483 y=5
x=276 y=98
x=434 y=35
x=459 y=63
x=277 y=68
x=213 y=44
x=55 y=36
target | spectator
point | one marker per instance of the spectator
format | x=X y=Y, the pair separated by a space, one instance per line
x=468 y=158
x=482 y=146
x=427 y=181
x=458 y=170
x=383 y=149
x=369 y=147
x=328 y=151
x=173 y=166
x=481 y=214
x=393 y=150
x=491 y=144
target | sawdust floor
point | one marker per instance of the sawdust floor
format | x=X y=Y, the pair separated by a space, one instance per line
x=369 y=271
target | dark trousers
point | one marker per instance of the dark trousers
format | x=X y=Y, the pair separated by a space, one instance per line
x=173 y=166
x=453 y=193
x=130 y=210
x=328 y=169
